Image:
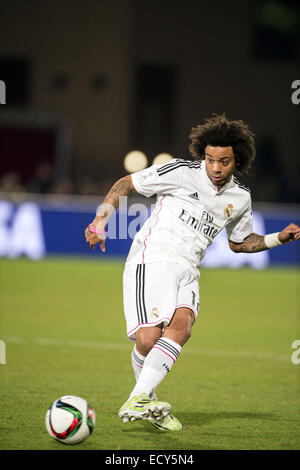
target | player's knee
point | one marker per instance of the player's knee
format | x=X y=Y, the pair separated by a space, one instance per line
x=179 y=335
x=146 y=338
x=180 y=328
x=145 y=344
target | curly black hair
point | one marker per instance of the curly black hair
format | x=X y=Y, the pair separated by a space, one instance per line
x=218 y=131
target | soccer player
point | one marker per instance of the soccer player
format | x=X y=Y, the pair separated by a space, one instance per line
x=195 y=200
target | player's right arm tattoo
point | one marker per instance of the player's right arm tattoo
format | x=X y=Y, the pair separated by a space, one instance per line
x=122 y=188
x=252 y=244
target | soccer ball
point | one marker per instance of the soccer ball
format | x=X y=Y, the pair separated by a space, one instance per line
x=70 y=419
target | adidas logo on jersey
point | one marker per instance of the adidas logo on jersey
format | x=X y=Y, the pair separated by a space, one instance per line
x=194 y=196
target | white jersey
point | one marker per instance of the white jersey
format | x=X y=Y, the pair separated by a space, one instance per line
x=189 y=213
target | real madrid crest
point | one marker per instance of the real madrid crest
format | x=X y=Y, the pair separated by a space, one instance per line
x=228 y=211
x=155 y=313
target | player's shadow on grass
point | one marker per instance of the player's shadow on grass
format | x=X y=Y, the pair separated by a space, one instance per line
x=200 y=418
x=189 y=419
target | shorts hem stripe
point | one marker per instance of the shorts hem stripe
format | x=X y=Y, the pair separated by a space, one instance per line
x=187 y=306
x=148 y=324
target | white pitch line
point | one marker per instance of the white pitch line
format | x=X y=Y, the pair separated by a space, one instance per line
x=128 y=347
x=82 y=344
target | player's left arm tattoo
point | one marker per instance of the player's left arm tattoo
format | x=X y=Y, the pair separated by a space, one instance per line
x=252 y=244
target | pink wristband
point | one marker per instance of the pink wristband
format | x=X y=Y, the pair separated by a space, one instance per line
x=93 y=230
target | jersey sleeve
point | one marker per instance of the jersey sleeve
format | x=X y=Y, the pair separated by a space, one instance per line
x=241 y=227
x=158 y=179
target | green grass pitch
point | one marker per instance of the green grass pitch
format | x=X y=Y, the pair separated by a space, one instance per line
x=233 y=387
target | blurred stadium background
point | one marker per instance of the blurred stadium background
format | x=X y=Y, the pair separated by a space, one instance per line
x=88 y=83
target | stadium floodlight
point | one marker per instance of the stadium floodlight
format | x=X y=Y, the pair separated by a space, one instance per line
x=135 y=161
x=162 y=158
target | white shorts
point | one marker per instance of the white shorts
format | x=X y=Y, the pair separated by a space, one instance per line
x=153 y=291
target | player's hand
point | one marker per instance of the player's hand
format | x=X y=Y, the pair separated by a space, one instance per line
x=289 y=234
x=94 y=238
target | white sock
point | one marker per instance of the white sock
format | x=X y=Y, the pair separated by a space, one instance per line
x=137 y=361
x=156 y=365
